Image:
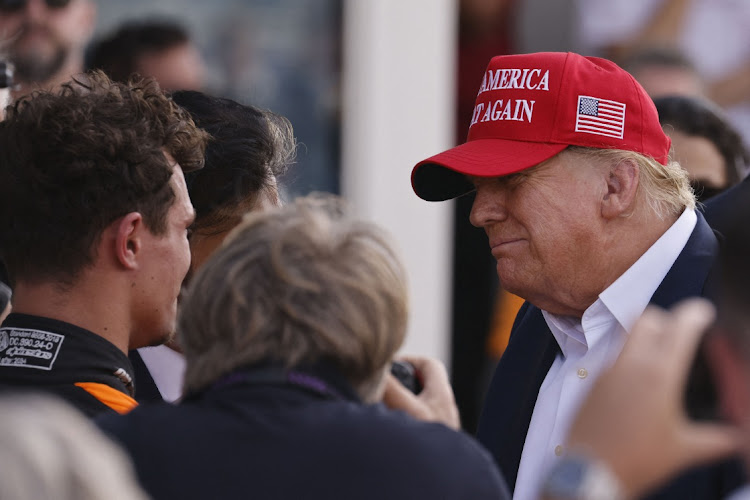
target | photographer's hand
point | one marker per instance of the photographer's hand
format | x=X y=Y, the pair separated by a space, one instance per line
x=435 y=403
x=634 y=418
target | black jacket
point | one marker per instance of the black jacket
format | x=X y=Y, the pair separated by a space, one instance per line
x=81 y=367
x=264 y=434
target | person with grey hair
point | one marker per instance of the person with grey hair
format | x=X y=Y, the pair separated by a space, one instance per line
x=49 y=450
x=288 y=333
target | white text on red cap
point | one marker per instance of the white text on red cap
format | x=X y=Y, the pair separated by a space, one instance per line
x=514 y=78
x=511 y=109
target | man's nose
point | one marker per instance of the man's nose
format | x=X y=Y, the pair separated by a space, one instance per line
x=488 y=206
x=35 y=9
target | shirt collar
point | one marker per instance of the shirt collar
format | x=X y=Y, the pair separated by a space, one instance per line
x=629 y=295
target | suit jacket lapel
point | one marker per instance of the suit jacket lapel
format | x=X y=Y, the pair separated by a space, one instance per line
x=692 y=270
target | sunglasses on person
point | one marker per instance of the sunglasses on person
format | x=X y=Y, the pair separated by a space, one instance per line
x=16 y=5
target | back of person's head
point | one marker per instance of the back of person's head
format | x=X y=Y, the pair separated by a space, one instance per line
x=694 y=117
x=248 y=150
x=75 y=160
x=126 y=51
x=49 y=450
x=304 y=284
x=664 y=71
x=656 y=56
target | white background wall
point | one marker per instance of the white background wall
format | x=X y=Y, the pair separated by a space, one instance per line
x=398 y=109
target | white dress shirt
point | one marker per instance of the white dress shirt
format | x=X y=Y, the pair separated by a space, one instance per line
x=740 y=494
x=167 y=368
x=589 y=345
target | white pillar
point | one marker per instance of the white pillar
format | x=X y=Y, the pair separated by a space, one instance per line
x=398 y=108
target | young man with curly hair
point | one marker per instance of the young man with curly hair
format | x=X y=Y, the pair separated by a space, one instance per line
x=94 y=218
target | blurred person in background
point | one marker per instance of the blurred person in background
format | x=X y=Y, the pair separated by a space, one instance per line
x=705 y=135
x=94 y=218
x=704 y=142
x=712 y=35
x=48 y=450
x=665 y=71
x=248 y=150
x=45 y=40
x=159 y=49
x=289 y=331
x=286 y=56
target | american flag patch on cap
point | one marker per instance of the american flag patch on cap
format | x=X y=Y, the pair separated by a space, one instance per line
x=600 y=116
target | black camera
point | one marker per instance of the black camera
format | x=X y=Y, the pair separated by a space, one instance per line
x=407 y=375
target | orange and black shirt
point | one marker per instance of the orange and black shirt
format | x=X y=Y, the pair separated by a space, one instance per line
x=81 y=367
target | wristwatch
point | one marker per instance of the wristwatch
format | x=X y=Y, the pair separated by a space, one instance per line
x=577 y=477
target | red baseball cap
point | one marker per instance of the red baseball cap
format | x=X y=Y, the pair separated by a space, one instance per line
x=532 y=106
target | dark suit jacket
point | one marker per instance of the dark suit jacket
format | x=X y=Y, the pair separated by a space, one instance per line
x=722 y=210
x=532 y=350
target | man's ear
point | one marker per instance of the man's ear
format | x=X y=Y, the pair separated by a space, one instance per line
x=731 y=378
x=128 y=232
x=622 y=188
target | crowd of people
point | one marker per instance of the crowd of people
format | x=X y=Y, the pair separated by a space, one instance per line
x=226 y=344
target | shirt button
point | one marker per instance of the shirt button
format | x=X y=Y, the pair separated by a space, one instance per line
x=583 y=373
x=559 y=450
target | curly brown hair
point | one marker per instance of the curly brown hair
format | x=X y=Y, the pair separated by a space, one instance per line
x=74 y=160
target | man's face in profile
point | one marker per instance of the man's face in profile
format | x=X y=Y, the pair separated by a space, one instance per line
x=543 y=226
x=42 y=34
x=165 y=259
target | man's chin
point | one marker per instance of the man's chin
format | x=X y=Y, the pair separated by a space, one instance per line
x=154 y=340
x=38 y=64
x=167 y=338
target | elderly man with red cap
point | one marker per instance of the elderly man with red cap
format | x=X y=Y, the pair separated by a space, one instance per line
x=589 y=221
